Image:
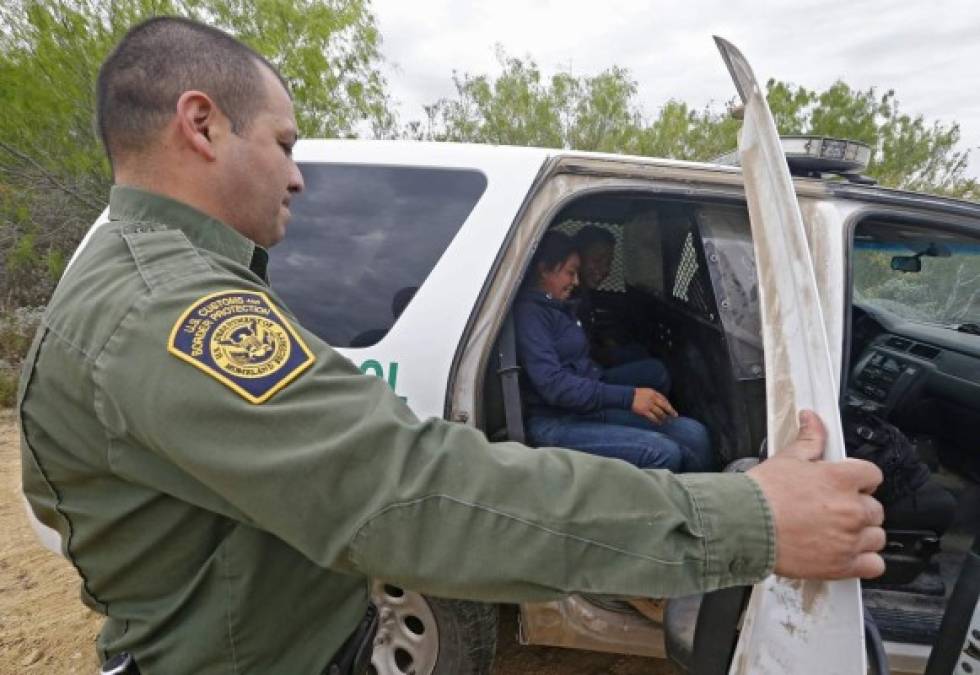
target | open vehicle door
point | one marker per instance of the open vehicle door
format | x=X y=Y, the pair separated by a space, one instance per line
x=790 y=626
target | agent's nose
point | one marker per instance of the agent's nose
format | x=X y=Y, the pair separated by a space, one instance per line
x=296 y=183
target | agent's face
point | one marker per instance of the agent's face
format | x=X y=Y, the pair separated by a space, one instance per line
x=596 y=263
x=261 y=169
x=562 y=280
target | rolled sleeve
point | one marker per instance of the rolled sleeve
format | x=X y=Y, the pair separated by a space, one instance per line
x=739 y=537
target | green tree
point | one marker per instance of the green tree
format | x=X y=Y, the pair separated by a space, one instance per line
x=604 y=117
x=54 y=178
x=907 y=151
x=681 y=132
x=521 y=106
x=328 y=51
x=517 y=108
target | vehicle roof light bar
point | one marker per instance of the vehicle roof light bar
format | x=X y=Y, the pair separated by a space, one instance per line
x=816 y=155
x=824 y=154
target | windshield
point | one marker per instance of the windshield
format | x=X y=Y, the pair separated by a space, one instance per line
x=918 y=274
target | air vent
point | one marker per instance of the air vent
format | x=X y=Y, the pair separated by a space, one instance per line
x=898 y=343
x=924 y=351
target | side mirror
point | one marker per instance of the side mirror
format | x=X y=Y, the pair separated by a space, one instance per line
x=906 y=263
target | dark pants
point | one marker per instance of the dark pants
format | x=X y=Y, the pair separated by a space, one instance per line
x=680 y=444
x=931 y=507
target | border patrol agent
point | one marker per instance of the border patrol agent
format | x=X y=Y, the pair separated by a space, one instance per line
x=226 y=484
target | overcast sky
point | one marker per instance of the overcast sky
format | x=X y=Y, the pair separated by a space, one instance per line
x=929 y=52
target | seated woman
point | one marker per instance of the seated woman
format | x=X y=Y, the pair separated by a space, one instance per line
x=571 y=401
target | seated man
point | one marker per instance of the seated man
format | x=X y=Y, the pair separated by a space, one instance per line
x=571 y=401
x=596 y=247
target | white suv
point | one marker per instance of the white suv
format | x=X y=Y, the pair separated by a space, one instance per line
x=406 y=257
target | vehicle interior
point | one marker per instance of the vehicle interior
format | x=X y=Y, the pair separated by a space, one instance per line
x=682 y=284
x=660 y=293
x=914 y=363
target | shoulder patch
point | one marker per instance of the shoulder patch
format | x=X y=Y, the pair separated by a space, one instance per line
x=240 y=339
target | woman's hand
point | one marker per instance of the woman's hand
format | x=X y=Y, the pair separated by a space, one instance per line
x=653 y=405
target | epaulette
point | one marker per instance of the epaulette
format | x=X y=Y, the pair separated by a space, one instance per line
x=162 y=255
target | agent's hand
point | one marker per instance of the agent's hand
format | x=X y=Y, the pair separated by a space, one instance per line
x=828 y=526
x=653 y=405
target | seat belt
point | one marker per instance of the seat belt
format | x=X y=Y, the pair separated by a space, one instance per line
x=509 y=372
x=957 y=642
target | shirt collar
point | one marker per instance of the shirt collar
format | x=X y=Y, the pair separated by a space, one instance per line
x=203 y=231
x=538 y=295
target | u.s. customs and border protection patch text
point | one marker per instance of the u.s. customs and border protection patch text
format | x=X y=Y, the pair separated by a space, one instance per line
x=240 y=339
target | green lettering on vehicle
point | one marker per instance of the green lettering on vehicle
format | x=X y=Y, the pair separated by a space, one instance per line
x=375 y=368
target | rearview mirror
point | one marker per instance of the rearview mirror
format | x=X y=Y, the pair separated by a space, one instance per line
x=913 y=263
x=906 y=263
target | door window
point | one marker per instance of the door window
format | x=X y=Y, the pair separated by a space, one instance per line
x=362 y=241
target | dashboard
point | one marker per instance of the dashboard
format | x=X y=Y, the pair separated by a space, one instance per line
x=883 y=377
x=900 y=364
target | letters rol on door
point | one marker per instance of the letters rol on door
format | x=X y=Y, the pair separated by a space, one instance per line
x=790 y=626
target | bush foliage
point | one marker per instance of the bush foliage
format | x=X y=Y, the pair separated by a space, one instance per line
x=17 y=329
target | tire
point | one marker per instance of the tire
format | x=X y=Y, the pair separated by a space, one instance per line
x=430 y=636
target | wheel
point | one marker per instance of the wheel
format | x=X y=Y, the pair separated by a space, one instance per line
x=430 y=636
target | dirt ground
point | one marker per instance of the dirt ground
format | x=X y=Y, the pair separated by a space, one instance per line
x=44 y=628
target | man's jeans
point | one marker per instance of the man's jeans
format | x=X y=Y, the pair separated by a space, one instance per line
x=680 y=444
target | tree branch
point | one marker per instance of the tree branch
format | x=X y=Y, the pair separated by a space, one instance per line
x=50 y=176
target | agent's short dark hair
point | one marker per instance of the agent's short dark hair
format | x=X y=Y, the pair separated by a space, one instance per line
x=157 y=61
x=590 y=235
x=553 y=250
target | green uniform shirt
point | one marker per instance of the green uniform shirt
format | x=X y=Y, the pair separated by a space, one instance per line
x=222 y=535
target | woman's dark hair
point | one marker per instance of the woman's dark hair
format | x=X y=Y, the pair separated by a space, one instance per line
x=553 y=250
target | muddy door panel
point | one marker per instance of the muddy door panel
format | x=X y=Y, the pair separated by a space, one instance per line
x=790 y=626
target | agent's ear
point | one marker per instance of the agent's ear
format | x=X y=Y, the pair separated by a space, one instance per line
x=197 y=118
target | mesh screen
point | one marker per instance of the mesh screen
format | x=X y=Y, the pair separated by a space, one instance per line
x=687 y=267
x=689 y=279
